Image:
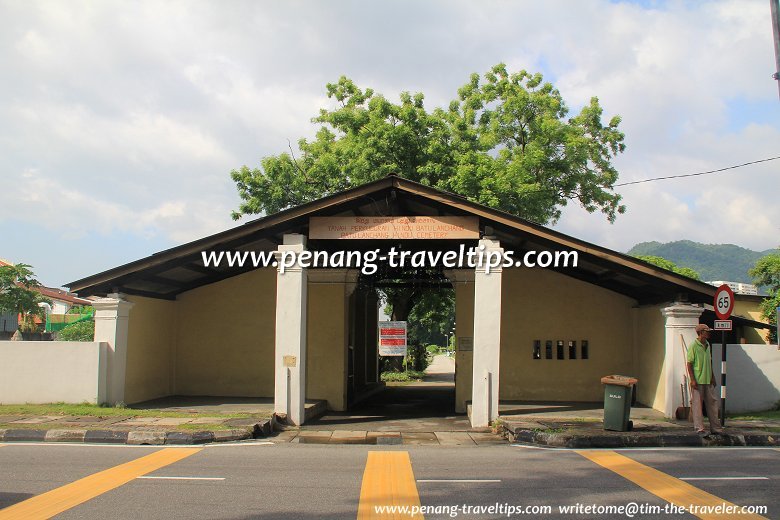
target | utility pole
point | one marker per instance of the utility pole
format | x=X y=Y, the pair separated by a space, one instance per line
x=775 y=8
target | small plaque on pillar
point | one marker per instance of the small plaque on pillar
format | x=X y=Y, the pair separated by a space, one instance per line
x=465 y=344
x=290 y=361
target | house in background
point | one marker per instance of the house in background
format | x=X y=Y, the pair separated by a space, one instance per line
x=61 y=302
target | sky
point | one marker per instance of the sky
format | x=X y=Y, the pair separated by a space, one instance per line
x=121 y=121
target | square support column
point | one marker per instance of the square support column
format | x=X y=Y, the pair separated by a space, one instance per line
x=290 y=348
x=112 y=315
x=487 y=338
x=463 y=284
x=681 y=319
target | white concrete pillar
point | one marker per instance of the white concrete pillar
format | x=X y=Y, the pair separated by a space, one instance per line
x=487 y=338
x=111 y=324
x=681 y=319
x=463 y=284
x=290 y=356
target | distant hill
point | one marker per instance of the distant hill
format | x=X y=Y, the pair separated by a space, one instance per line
x=711 y=261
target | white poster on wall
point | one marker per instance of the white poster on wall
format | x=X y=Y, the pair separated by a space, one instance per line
x=392 y=338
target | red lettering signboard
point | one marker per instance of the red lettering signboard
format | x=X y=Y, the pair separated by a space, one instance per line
x=392 y=338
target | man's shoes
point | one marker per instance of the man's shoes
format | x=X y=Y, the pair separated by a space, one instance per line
x=717 y=432
x=703 y=433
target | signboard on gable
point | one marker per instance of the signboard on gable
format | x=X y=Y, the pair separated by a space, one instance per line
x=393 y=228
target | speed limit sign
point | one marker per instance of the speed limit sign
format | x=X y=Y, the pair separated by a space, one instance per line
x=724 y=302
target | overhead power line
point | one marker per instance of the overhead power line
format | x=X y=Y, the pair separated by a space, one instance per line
x=699 y=173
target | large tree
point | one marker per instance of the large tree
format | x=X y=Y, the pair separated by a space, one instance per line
x=506 y=141
x=766 y=273
x=18 y=294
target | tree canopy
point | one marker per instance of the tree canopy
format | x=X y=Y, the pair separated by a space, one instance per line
x=766 y=273
x=17 y=291
x=670 y=266
x=505 y=141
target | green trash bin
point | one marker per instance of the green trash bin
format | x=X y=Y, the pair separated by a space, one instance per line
x=617 y=402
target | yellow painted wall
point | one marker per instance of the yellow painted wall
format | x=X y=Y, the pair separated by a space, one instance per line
x=650 y=327
x=464 y=327
x=751 y=310
x=326 y=354
x=544 y=305
x=225 y=337
x=150 y=345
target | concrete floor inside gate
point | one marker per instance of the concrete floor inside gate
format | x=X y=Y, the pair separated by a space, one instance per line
x=427 y=406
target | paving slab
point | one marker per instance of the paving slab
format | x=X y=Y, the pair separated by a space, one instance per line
x=40 y=419
x=78 y=419
x=284 y=436
x=454 y=439
x=419 y=438
x=172 y=421
x=109 y=421
x=140 y=421
x=209 y=420
x=313 y=437
x=348 y=437
x=486 y=439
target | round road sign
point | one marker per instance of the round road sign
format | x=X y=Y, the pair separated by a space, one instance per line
x=724 y=302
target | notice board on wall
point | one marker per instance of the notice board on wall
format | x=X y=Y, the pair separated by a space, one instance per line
x=392 y=338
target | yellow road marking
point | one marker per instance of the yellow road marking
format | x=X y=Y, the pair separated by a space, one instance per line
x=70 y=495
x=664 y=486
x=388 y=480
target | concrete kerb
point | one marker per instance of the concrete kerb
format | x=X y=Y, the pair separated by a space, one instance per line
x=590 y=438
x=248 y=429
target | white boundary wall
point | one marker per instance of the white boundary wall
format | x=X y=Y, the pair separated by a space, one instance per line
x=752 y=375
x=52 y=371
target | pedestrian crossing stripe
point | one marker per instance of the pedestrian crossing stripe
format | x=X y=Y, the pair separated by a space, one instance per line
x=388 y=481
x=54 y=502
x=666 y=487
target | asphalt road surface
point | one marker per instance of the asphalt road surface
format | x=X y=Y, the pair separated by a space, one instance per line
x=301 y=481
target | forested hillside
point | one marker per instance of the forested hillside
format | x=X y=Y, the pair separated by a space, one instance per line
x=711 y=261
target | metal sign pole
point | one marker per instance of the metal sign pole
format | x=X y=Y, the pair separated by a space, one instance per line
x=724 y=306
x=723 y=380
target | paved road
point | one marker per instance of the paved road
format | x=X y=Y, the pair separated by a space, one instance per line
x=336 y=481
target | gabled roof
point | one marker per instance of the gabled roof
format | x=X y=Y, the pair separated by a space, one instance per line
x=174 y=271
x=63 y=296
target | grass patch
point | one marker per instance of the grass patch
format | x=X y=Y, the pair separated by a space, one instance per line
x=752 y=416
x=550 y=430
x=402 y=377
x=93 y=410
x=118 y=427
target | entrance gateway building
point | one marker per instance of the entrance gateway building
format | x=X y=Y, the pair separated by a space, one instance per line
x=176 y=326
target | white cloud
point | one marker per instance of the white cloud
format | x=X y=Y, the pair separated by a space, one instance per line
x=34 y=197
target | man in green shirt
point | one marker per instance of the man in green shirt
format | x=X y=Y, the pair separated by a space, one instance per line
x=702 y=381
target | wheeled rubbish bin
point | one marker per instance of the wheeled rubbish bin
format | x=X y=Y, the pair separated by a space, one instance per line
x=617 y=402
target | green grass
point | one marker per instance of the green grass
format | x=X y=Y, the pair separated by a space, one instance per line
x=94 y=410
x=177 y=427
x=402 y=377
x=752 y=416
